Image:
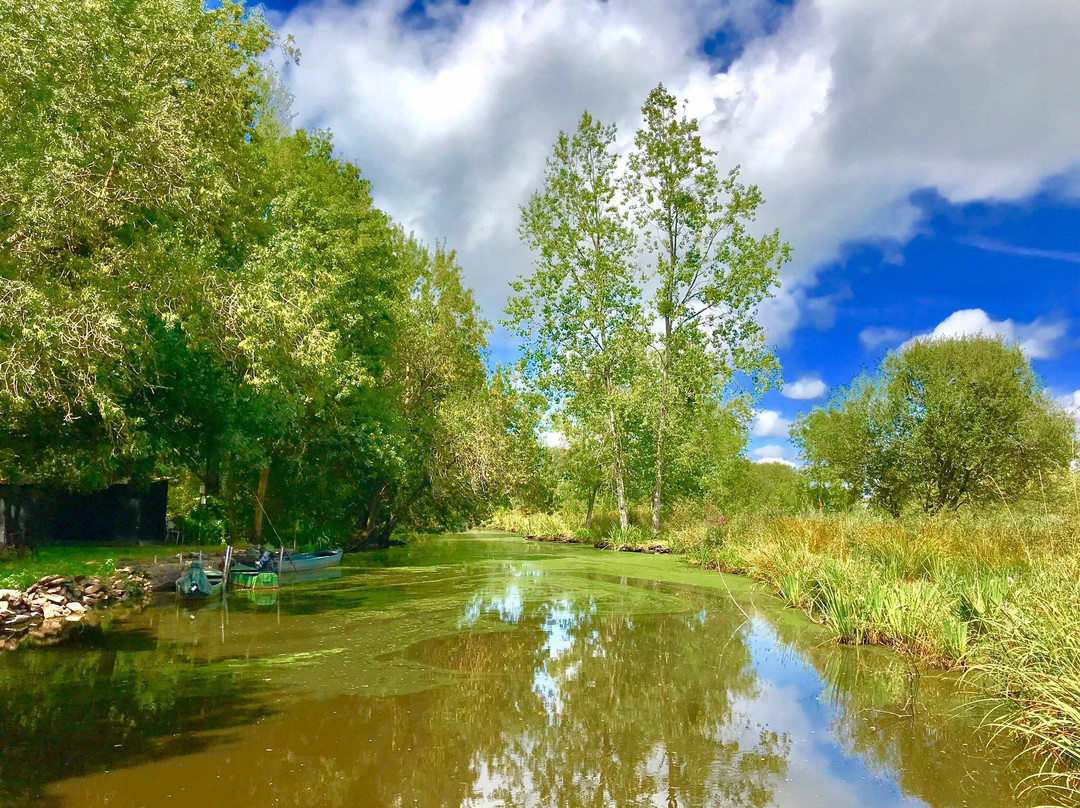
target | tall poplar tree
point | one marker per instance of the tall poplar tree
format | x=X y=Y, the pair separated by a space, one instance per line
x=579 y=311
x=709 y=271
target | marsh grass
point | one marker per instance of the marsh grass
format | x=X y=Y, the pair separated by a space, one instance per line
x=1030 y=658
x=995 y=593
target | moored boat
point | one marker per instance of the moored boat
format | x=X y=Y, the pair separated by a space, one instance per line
x=199 y=583
x=301 y=562
x=253 y=579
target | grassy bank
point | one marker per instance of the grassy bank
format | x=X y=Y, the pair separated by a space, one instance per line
x=19 y=571
x=997 y=594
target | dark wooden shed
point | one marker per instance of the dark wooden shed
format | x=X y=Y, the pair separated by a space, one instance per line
x=123 y=514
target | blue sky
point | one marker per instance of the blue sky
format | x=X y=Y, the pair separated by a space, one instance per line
x=923 y=161
x=1018 y=261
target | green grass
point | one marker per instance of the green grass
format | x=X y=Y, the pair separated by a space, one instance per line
x=70 y=560
x=605 y=527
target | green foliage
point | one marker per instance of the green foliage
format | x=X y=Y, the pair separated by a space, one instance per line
x=1032 y=660
x=127 y=176
x=189 y=289
x=579 y=313
x=710 y=274
x=205 y=524
x=644 y=416
x=774 y=488
x=943 y=423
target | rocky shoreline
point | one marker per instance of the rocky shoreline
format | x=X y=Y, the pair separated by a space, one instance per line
x=652 y=549
x=44 y=610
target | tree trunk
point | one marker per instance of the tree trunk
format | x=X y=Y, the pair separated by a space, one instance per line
x=260 y=501
x=620 y=473
x=589 y=512
x=212 y=483
x=658 y=490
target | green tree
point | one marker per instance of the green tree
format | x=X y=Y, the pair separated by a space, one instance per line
x=188 y=288
x=579 y=312
x=943 y=423
x=127 y=183
x=767 y=487
x=312 y=319
x=709 y=271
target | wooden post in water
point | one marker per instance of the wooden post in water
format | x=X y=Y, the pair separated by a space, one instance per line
x=225 y=568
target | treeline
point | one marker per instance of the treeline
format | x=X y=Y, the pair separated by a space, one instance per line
x=190 y=289
x=639 y=321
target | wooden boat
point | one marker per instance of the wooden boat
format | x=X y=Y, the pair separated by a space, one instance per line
x=301 y=562
x=253 y=579
x=197 y=583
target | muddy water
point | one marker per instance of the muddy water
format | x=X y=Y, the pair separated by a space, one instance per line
x=485 y=671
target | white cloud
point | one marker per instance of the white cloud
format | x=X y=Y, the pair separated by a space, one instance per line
x=997 y=246
x=554 y=439
x=770 y=424
x=839 y=115
x=878 y=335
x=805 y=388
x=1070 y=402
x=1039 y=339
x=774 y=453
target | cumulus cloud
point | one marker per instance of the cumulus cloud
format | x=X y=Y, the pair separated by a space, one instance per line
x=1039 y=339
x=839 y=113
x=1070 y=402
x=878 y=335
x=805 y=388
x=774 y=453
x=770 y=424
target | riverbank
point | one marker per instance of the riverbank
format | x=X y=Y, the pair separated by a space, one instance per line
x=46 y=593
x=997 y=595
x=46 y=609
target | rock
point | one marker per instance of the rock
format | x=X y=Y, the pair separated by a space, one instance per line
x=75 y=606
x=75 y=617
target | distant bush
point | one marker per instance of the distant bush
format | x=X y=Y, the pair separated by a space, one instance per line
x=943 y=424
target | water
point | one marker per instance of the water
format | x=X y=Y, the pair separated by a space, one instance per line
x=485 y=671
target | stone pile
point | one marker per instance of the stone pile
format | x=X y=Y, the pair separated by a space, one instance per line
x=43 y=608
x=650 y=549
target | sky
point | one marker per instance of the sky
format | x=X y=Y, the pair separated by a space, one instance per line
x=922 y=157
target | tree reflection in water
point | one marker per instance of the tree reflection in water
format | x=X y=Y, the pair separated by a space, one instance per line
x=539 y=683
x=602 y=709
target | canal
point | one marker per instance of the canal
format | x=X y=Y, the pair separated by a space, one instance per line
x=482 y=670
